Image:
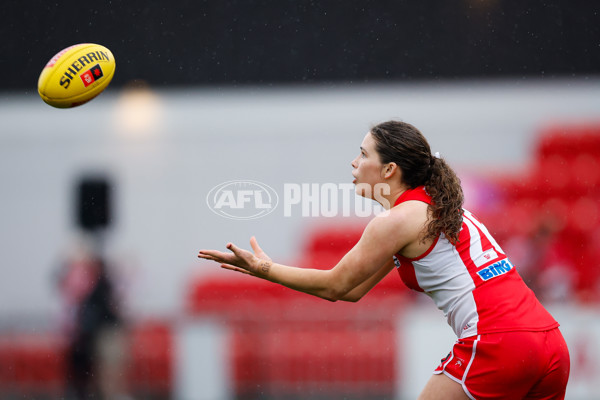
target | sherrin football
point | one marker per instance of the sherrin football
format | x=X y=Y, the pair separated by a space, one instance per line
x=76 y=75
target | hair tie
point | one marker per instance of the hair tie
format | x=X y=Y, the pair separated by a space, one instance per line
x=437 y=154
x=432 y=159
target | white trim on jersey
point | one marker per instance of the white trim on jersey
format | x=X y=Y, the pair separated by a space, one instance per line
x=468 y=215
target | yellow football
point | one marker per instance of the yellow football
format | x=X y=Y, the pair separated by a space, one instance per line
x=76 y=75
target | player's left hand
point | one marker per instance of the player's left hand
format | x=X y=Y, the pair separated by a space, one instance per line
x=239 y=260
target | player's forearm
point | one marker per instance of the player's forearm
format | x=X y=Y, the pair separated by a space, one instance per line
x=359 y=291
x=311 y=281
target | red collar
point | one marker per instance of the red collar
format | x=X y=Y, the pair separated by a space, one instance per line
x=419 y=193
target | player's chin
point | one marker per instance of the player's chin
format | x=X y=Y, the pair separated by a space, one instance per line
x=362 y=189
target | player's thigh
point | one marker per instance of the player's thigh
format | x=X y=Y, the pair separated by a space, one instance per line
x=440 y=387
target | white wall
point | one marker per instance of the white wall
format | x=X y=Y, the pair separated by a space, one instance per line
x=198 y=138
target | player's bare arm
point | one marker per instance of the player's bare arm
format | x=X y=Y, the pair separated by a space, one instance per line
x=359 y=270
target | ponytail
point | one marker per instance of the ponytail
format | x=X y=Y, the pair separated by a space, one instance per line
x=447 y=198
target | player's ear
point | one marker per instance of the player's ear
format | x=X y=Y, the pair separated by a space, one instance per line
x=389 y=170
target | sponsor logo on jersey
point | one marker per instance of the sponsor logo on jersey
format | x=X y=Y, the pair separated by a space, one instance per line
x=499 y=268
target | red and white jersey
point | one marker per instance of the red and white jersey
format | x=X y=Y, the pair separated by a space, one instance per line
x=472 y=282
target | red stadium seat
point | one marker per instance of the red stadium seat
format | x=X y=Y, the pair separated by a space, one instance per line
x=585 y=173
x=337 y=239
x=31 y=365
x=552 y=175
x=151 y=355
x=585 y=214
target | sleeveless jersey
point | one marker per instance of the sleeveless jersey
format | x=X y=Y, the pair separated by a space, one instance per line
x=472 y=281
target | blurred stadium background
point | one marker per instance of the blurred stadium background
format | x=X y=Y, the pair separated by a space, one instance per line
x=282 y=93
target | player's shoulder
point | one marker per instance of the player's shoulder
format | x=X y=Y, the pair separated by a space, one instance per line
x=411 y=211
x=407 y=218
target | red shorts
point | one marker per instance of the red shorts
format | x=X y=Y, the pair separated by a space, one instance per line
x=510 y=365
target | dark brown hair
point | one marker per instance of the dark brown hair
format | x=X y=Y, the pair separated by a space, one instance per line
x=404 y=145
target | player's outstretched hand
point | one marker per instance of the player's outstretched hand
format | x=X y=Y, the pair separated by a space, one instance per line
x=258 y=252
x=240 y=260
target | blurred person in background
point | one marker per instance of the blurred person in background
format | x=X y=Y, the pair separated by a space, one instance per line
x=508 y=345
x=96 y=354
x=556 y=275
x=545 y=261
